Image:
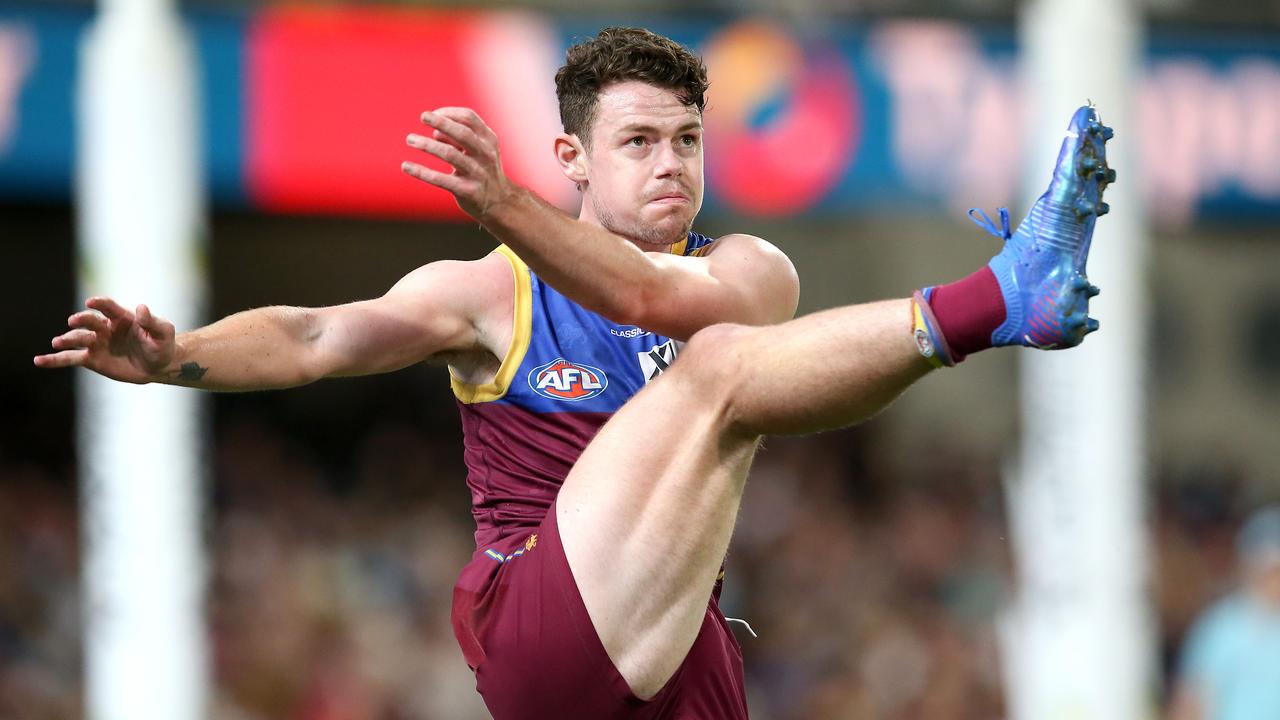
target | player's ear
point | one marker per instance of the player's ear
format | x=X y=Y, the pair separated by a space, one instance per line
x=572 y=158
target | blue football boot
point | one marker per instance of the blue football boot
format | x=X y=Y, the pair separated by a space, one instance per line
x=1041 y=269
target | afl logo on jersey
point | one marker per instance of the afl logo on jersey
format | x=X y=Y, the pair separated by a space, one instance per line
x=564 y=380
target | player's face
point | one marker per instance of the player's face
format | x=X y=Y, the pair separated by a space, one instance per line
x=644 y=165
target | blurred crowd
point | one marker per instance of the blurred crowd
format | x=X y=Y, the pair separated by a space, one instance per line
x=874 y=590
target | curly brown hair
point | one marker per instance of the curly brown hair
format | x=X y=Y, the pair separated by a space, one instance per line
x=618 y=54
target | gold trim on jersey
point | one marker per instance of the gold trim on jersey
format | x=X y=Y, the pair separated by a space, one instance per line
x=702 y=251
x=682 y=247
x=521 y=333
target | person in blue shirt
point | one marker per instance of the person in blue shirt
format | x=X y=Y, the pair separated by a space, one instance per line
x=1230 y=668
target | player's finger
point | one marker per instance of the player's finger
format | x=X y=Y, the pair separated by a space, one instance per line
x=108 y=307
x=149 y=322
x=91 y=320
x=464 y=115
x=66 y=358
x=453 y=183
x=468 y=117
x=156 y=330
x=449 y=153
x=74 y=339
x=452 y=126
x=472 y=119
x=445 y=138
x=459 y=133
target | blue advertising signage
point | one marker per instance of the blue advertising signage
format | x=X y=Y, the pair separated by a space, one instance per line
x=845 y=118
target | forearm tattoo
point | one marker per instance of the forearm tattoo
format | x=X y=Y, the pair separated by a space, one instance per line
x=192 y=372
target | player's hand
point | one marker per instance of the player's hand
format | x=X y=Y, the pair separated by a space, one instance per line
x=106 y=338
x=460 y=138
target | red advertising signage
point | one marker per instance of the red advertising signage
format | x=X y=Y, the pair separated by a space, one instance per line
x=331 y=95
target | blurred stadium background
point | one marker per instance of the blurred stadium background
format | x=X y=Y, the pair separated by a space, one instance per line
x=875 y=562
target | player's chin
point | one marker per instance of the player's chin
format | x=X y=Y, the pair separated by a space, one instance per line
x=669 y=231
x=675 y=216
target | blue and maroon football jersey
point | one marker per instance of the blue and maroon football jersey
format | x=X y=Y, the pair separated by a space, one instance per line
x=567 y=370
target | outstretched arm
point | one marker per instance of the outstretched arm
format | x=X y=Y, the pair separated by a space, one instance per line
x=743 y=279
x=436 y=310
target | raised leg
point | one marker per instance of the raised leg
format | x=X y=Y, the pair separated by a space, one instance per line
x=647 y=512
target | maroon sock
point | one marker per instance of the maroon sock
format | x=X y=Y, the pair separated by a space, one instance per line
x=968 y=311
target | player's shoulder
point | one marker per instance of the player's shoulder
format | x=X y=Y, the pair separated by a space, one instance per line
x=745 y=242
x=746 y=246
x=498 y=274
x=492 y=268
x=754 y=254
x=474 y=288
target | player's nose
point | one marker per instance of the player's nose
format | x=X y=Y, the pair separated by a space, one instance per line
x=668 y=163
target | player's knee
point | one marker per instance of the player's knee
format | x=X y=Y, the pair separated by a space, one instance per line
x=714 y=347
x=714 y=359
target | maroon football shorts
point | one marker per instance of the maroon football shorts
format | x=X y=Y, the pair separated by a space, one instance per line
x=525 y=632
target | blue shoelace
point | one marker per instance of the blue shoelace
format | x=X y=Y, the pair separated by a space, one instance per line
x=985 y=222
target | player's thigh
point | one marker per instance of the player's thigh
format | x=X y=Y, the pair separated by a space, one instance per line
x=647 y=512
x=646 y=493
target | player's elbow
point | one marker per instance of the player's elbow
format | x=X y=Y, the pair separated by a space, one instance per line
x=317 y=352
x=628 y=304
x=779 y=285
x=758 y=283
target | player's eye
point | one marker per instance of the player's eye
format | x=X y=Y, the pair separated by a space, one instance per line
x=636 y=141
x=688 y=140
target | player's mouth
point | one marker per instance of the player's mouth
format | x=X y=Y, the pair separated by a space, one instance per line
x=671 y=199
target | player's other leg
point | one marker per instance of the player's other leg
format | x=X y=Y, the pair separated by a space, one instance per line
x=646 y=514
